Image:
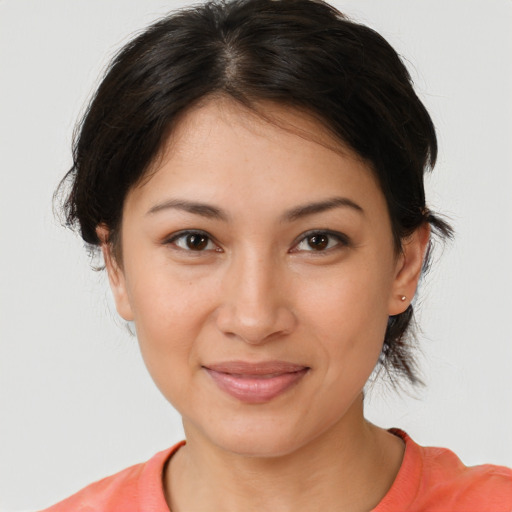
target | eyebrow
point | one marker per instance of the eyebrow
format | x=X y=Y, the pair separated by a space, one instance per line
x=203 y=209
x=319 y=207
x=212 y=212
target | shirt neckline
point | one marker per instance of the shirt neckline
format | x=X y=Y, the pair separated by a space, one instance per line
x=151 y=494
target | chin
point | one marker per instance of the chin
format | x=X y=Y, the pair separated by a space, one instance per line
x=263 y=446
x=263 y=437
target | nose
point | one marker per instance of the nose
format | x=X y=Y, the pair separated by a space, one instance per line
x=255 y=307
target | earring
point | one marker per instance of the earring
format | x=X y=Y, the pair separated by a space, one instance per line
x=403 y=298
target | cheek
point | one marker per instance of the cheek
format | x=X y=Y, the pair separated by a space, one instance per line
x=347 y=316
x=354 y=299
x=169 y=313
x=165 y=298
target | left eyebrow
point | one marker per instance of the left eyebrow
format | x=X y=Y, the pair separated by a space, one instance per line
x=202 y=209
x=319 y=207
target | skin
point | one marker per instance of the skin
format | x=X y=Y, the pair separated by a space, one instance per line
x=261 y=290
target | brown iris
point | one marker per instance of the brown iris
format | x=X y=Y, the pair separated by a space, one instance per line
x=318 y=242
x=196 y=242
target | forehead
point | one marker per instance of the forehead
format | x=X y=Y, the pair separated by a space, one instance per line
x=261 y=120
x=275 y=153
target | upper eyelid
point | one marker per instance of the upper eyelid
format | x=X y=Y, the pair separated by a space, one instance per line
x=179 y=234
x=184 y=232
x=335 y=234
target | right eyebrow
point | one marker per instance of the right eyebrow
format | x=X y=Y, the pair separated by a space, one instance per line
x=321 y=206
x=197 y=208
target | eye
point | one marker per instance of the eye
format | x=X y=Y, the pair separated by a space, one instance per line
x=320 y=241
x=196 y=241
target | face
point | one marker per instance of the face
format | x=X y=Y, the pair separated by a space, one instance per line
x=260 y=271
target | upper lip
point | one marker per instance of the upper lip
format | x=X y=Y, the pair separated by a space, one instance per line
x=249 y=368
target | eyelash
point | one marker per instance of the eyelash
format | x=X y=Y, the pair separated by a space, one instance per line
x=184 y=234
x=340 y=239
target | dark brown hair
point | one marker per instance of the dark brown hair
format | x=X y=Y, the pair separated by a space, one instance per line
x=301 y=53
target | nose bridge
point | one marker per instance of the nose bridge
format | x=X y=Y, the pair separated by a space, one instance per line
x=254 y=306
x=256 y=290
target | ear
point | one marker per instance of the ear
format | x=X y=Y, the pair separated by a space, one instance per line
x=116 y=275
x=408 y=269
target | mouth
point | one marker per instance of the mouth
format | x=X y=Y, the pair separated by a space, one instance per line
x=255 y=383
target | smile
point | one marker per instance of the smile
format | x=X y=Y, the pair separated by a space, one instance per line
x=255 y=383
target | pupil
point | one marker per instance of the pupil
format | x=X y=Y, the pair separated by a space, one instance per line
x=197 y=242
x=318 y=242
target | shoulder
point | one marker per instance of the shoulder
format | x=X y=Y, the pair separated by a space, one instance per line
x=137 y=488
x=435 y=479
x=106 y=494
x=445 y=477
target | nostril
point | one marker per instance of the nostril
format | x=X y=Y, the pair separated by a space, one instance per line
x=263 y=327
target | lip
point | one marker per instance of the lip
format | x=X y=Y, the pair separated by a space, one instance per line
x=255 y=383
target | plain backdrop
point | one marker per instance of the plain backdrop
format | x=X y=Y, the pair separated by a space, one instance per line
x=76 y=402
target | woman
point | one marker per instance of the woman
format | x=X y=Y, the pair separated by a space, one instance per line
x=253 y=174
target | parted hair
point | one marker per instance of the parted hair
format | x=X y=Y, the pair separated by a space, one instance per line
x=304 y=54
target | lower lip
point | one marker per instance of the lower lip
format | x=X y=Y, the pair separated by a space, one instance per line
x=255 y=389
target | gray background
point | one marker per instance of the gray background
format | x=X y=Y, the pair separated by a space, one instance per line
x=76 y=402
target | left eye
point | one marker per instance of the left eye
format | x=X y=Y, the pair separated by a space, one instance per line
x=193 y=241
x=320 y=241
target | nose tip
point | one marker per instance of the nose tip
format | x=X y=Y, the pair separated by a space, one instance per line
x=253 y=324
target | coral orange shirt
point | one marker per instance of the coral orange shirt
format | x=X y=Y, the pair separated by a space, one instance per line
x=429 y=480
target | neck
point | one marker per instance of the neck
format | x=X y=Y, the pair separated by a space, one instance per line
x=349 y=467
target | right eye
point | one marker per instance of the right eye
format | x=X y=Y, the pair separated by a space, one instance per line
x=196 y=241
